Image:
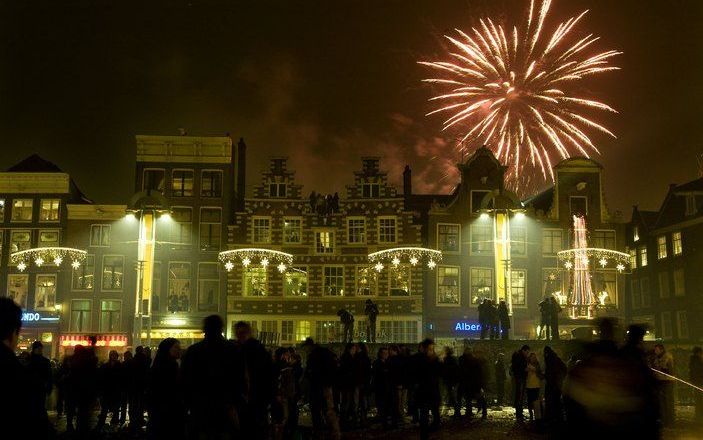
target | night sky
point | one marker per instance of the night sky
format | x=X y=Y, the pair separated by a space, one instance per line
x=323 y=82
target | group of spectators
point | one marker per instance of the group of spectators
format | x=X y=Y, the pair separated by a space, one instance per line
x=494 y=320
x=237 y=388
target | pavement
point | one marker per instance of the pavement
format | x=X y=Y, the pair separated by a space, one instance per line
x=499 y=425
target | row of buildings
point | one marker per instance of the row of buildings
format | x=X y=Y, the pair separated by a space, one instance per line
x=494 y=246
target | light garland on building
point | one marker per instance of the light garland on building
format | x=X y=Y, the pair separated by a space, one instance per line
x=605 y=257
x=409 y=254
x=249 y=256
x=39 y=256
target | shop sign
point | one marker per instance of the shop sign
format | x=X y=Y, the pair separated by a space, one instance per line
x=466 y=326
x=37 y=317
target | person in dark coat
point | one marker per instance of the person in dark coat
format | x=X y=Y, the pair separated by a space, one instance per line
x=493 y=319
x=110 y=386
x=136 y=371
x=473 y=381
x=258 y=386
x=347 y=384
x=13 y=377
x=518 y=371
x=545 y=321
x=504 y=320
x=500 y=376
x=382 y=386
x=450 y=377
x=321 y=372
x=362 y=376
x=347 y=319
x=83 y=381
x=695 y=371
x=554 y=310
x=371 y=312
x=213 y=373
x=554 y=375
x=167 y=412
x=483 y=318
x=397 y=363
x=39 y=371
x=427 y=374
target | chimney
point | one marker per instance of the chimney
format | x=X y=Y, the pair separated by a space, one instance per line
x=407 y=182
x=241 y=170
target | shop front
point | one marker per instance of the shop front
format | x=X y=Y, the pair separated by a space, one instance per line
x=187 y=330
x=40 y=326
x=102 y=343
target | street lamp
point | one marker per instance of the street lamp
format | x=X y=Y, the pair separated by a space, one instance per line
x=145 y=206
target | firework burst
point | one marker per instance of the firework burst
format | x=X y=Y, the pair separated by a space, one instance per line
x=512 y=90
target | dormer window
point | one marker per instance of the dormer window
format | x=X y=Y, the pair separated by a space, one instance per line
x=370 y=189
x=277 y=189
x=691 y=204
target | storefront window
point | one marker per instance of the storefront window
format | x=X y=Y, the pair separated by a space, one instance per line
x=208 y=287
x=45 y=292
x=17 y=289
x=179 y=279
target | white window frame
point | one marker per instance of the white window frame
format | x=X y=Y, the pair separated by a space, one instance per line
x=222 y=182
x=100 y=312
x=179 y=226
x=58 y=210
x=173 y=188
x=409 y=269
x=254 y=228
x=102 y=272
x=297 y=269
x=551 y=240
x=332 y=244
x=324 y=280
x=644 y=260
x=374 y=285
x=661 y=247
x=514 y=243
x=52 y=243
x=81 y=268
x=677 y=243
x=492 y=285
x=605 y=233
x=524 y=287
x=52 y=306
x=102 y=227
x=287 y=220
x=458 y=286
x=490 y=245
x=380 y=237
x=246 y=291
x=20 y=231
x=218 y=246
x=90 y=315
x=458 y=238
x=370 y=186
x=355 y=228
x=31 y=216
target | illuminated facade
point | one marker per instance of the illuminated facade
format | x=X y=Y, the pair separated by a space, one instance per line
x=330 y=238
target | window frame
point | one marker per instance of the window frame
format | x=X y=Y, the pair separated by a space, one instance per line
x=89 y=315
x=297 y=269
x=475 y=209
x=490 y=242
x=687 y=333
x=471 y=283
x=201 y=223
x=513 y=271
x=390 y=284
x=288 y=220
x=664 y=293
x=513 y=242
x=20 y=231
x=661 y=247
x=642 y=252
x=82 y=267
x=200 y=286
x=170 y=280
x=119 y=320
x=25 y=277
x=53 y=243
x=370 y=185
x=571 y=208
x=458 y=238
x=58 y=210
x=144 y=173
x=374 y=286
x=246 y=293
x=664 y=334
x=102 y=273
x=51 y=307
x=202 y=185
x=364 y=235
x=255 y=228
x=182 y=193
x=179 y=226
x=677 y=243
x=380 y=227
x=102 y=227
x=551 y=240
x=332 y=242
x=31 y=210
x=340 y=290
x=679 y=286
x=458 y=286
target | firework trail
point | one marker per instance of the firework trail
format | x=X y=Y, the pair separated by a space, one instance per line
x=512 y=90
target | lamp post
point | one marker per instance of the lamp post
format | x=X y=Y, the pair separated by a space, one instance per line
x=145 y=206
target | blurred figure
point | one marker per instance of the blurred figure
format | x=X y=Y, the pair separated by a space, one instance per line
x=14 y=402
x=427 y=370
x=347 y=385
x=554 y=310
x=258 y=389
x=493 y=319
x=124 y=396
x=284 y=390
x=212 y=372
x=83 y=389
x=472 y=382
x=664 y=362
x=347 y=319
x=61 y=378
x=371 y=311
x=504 y=320
x=137 y=371
x=382 y=386
x=321 y=370
x=483 y=318
x=166 y=407
x=450 y=377
x=362 y=377
x=554 y=375
x=39 y=372
x=610 y=393
x=533 y=384
x=110 y=385
x=695 y=369
x=545 y=322
x=399 y=383
x=500 y=376
x=518 y=371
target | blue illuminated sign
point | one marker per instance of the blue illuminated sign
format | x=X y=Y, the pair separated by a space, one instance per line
x=37 y=317
x=465 y=326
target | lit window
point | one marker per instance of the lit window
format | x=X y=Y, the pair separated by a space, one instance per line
x=399 y=280
x=633 y=258
x=45 y=292
x=604 y=239
x=302 y=330
x=208 y=287
x=22 y=210
x=255 y=281
x=277 y=189
x=481 y=284
x=210 y=228
x=296 y=281
x=329 y=331
x=2 y=210
x=517 y=286
x=635 y=233
x=324 y=242
x=18 y=288
x=83 y=278
x=48 y=238
x=676 y=243
x=211 y=183
x=100 y=235
x=448 y=237
x=366 y=281
x=661 y=247
x=663 y=284
x=292 y=230
x=113 y=272
x=333 y=281
x=386 y=230
x=552 y=241
x=181 y=226
x=643 y=256
x=110 y=316
x=182 y=183
x=179 y=287
x=370 y=189
x=518 y=241
x=20 y=240
x=481 y=239
x=80 y=316
x=49 y=210
x=356 y=230
x=153 y=180
x=261 y=230
x=679 y=282
x=448 y=285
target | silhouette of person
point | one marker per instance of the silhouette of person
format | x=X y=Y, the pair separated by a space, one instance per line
x=347 y=319
x=167 y=413
x=371 y=311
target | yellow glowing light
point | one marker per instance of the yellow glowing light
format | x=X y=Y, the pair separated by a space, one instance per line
x=75 y=264
x=39 y=261
x=246 y=261
x=431 y=264
x=229 y=266
x=281 y=267
x=396 y=261
x=378 y=267
x=58 y=261
x=413 y=261
x=264 y=262
x=21 y=266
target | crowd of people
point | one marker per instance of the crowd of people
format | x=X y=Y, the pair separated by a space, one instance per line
x=222 y=389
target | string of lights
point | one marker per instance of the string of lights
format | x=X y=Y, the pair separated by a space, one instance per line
x=53 y=254
x=408 y=254
x=261 y=256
